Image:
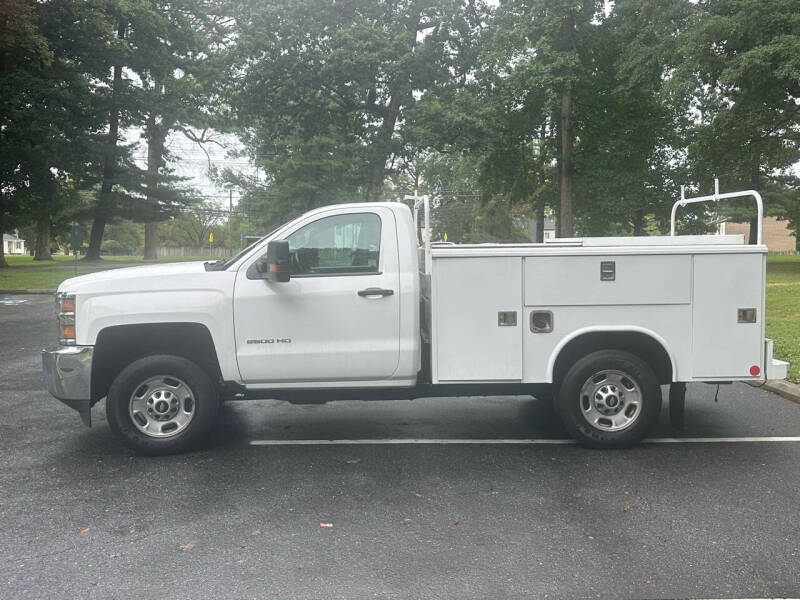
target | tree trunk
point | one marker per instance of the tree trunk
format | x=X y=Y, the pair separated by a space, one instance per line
x=383 y=145
x=566 y=43
x=42 y=251
x=151 y=241
x=378 y=169
x=565 y=223
x=540 y=222
x=755 y=183
x=96 y=238
x=752 y=237
x=105 y=203
x=156 y=137
x=3 y=263
x=638 y=222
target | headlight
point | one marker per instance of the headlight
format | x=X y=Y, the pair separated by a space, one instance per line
x=65 y=304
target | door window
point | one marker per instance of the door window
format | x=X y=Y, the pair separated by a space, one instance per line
x=339 y=245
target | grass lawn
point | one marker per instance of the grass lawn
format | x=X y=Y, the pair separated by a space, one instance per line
x=783 y=291
x=26 y=274
x=783 y=309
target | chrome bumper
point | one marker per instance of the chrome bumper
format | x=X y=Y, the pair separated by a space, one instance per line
x=68 y=374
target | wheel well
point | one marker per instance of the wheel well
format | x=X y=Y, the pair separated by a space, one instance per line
x=119 y=346
x=639 y=344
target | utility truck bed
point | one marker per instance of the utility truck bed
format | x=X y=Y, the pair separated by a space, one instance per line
x=504 y=312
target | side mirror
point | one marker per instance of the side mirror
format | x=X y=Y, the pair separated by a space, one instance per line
x=275 y=265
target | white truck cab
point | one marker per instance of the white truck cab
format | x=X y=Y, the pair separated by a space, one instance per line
x=345 y=302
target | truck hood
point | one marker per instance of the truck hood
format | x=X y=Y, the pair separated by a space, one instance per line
x=146 y=277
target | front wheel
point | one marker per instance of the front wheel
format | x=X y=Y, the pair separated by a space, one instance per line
x=162 y=404
x=609 y=399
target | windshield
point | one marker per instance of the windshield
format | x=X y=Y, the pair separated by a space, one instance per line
x=245 y=250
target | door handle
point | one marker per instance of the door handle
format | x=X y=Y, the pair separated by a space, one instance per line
x=374 y=292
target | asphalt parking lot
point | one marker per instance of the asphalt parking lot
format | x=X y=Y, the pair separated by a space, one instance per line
x=81 y=517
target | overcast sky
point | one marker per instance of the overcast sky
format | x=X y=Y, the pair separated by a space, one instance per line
x=191 y=162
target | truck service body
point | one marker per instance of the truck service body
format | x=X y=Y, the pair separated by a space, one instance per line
x=345 y=302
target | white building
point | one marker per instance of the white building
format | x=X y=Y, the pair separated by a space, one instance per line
x=549 y=229
x=13 y=244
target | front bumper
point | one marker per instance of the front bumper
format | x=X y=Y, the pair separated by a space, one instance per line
x=68 y=374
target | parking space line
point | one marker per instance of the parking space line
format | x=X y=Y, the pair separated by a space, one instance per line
x=512 y=441
x=721 y=440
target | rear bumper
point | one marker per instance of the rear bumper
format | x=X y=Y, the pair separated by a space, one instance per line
x=68 y=374
x=775 y=369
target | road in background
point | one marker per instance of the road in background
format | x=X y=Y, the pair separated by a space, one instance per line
x=81 y=516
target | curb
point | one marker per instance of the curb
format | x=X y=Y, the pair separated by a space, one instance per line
x=30 y=292
x=782 y=387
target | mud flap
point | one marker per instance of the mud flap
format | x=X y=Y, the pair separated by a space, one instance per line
x=84 y=408
x=677 y=405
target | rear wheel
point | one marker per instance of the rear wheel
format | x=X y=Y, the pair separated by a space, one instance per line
x=162 y=404
x=609 y=399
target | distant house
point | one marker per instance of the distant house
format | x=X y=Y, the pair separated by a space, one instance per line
x=549 y=229
x=777 y=235
x=13 y=244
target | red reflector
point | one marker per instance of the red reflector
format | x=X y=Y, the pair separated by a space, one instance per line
x=276 y=268
x=755 y=370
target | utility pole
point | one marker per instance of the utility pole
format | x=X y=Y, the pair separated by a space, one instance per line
x=230 y=218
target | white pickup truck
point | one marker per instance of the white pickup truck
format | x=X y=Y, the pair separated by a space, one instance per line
x=345 y=302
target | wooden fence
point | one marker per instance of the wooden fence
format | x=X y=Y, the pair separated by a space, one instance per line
x=188 y=251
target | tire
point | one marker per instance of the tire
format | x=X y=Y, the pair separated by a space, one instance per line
x=609 y=399
x=162 y=404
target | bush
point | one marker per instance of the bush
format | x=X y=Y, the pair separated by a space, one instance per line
x=113 y=247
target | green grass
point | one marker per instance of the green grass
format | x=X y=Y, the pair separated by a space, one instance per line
x=783 y=309
x=783 y=268
x=24 y=273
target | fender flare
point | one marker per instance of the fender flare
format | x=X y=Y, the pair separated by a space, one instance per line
x=551 y=362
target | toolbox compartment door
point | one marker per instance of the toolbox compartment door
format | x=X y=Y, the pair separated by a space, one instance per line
x=605 y=280
x=723 y=345
x=472 y=340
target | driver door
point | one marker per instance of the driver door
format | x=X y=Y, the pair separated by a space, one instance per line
x=338 y=317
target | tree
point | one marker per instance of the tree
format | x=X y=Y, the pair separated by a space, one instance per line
x=47 y=121
x=157 y=77
x=744 y=69
x=192 y=228
x=21 y=46
x=550 y=49
x=180 y=61
x=325 y=88
x=631 y=121
x=110 y=97
x=569 y=110
x=123 y=237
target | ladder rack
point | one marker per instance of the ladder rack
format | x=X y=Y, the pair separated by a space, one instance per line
x=716 y=197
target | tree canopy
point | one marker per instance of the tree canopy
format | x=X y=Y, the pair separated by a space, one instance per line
x=585 y=112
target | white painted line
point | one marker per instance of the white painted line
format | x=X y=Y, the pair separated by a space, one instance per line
x=512 y=441
x=432 y=441
x=13 y=301
x=722 y=440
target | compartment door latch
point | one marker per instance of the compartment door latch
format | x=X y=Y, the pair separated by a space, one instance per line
x=608 y=270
